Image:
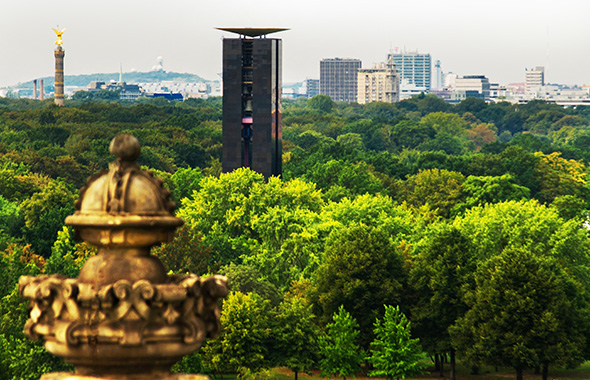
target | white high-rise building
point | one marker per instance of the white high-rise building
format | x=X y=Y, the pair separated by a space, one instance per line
x=415 y=67
x=534 y=79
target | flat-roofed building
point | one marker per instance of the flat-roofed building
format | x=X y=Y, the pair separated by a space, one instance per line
x=534 y=79
x=379 y=84
x=252 y=111
x=414 y=67
x=338 y=78
x=312 y=87
x=470 y=85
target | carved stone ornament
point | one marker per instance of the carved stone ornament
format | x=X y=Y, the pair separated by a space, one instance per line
x=123 y=318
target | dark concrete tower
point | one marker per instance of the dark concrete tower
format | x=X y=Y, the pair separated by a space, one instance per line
x=252 y=114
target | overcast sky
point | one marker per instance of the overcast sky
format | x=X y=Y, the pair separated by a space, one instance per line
x=496 y=38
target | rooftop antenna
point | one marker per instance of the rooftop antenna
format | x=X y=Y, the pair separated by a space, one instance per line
x=547 y=57
x=120 y=72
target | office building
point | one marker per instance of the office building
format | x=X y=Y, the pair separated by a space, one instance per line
x=477 y=86
x=379 y=84
x=312 y=87
x=338 y=78
x=534 y=79
x=414 y=67
x=252 y=120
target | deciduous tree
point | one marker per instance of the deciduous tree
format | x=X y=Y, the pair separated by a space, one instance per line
x=394 y=354
x=340 y=352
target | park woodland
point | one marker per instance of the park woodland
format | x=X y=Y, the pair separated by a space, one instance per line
x=411 y=240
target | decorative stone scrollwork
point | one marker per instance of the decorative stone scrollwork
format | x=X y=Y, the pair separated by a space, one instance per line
x=129 y=314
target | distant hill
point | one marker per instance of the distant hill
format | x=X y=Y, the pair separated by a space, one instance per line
x=132 y=77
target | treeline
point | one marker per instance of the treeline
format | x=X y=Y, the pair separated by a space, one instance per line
x=469 y=218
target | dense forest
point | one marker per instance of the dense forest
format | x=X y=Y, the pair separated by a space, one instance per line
x=459 y=230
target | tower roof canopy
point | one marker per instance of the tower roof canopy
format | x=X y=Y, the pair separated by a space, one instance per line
x=253 y=32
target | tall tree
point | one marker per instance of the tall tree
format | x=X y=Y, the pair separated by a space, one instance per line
x=362 y=270
x=394 y=353
x=525 y=311
x=243 y=341
x=296 y=332
x=339 y=349
x=443 y=265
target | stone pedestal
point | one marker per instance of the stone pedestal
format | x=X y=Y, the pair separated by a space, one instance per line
x=162 y=376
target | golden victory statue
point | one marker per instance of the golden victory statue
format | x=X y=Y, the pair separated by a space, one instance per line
x=58 y=32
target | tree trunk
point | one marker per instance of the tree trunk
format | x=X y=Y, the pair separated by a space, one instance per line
x=519 y=373
x=453 y=364
x=436 y=363
x=442 y=366
x=295 y=375
x=545 y=370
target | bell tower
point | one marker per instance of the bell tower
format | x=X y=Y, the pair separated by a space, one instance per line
x=252 y=113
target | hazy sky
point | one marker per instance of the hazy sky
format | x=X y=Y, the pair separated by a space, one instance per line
x=496 y=38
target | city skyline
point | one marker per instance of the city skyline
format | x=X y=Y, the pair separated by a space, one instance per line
x=498 y=39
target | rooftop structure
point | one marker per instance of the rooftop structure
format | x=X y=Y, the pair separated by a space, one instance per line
x=253 y=32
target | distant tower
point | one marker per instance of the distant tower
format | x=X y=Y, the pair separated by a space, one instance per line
x=252 y=120
x=35 y=89
x=438 y=75
x=59 y=68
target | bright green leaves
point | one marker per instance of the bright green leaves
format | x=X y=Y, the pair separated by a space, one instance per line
x=394 y=354
x=244 y=337
x=338 y=346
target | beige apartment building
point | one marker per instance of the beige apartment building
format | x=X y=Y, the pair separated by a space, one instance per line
x=379 y=84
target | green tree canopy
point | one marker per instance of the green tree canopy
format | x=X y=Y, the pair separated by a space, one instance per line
x=525 y=311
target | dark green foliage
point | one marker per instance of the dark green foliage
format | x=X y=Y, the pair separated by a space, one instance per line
x=362 y=271
x=186 y=253
x=524 y=312
x=321 y=103
x=100 y=95
x=44 y=215
x=247 y=279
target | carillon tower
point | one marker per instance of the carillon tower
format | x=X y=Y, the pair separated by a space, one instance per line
x=252 y=120
x=59 y=68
